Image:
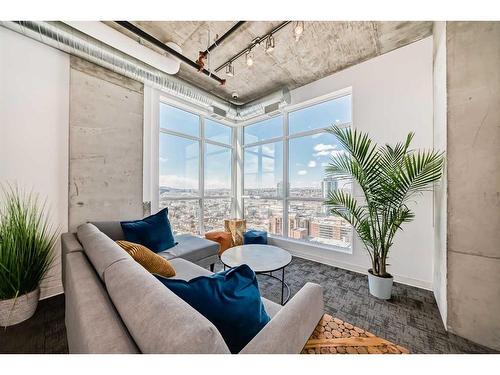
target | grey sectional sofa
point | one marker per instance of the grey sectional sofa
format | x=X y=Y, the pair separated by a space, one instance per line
x=113 y=305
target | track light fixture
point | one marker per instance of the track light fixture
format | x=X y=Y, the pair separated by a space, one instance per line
x=249 y=58
x=270 y=44
x=298 y=30
x=230 y=70
x=266 y=41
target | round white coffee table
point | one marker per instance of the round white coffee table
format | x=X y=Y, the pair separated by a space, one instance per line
x=262 y=259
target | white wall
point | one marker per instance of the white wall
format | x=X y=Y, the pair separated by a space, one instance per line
x=34 y=107
x=392 y=95
x=440 y=206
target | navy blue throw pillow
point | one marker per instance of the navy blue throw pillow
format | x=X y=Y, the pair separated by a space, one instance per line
x=153 y=231
x=229 y=299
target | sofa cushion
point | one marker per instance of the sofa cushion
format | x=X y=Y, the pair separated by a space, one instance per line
x=158 y=320
x=112 y=229
x=92 y=322
x=99 y=248
x=191 y=248
x=153 y=231
x=146 y=258
x=185 y=270
x=229 y=299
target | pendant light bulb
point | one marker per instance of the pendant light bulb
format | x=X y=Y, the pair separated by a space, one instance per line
x=298 y=30
x=230 y=70
x=270 y=44
x=249 y=58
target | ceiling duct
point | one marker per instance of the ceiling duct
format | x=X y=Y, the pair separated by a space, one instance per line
x=268 y=105
x=68 y=39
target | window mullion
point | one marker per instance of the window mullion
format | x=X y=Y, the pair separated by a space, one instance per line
x=201 y=179
x=286 y=176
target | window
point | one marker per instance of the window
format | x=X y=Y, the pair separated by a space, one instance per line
x=179 y=163
x=174 y=119
x=217 y=132
x=263 y=176
x=322 y=115
x=216 y=210
x=197 y=202
x=290 y=204
x=263 y=166
x=217 y=170
x=264 y=214
x=184 y=215
x=310 y=220
x=309 y=156
x=264 y=130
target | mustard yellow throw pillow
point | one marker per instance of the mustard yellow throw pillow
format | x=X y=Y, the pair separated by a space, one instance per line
x=154 y=263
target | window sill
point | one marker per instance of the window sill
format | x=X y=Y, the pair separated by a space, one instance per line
x=304 y=245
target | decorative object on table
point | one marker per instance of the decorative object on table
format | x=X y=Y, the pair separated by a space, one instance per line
x=236 y=227
x=229 y=299
x=153 y=231
x=224 y=239
x=256 y=237
x=151 y=261
x=389 y=177
x=334 y=336
x=263 y=260
x=27 y=242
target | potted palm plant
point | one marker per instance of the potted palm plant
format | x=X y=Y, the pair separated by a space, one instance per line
x=26 y=253
x=388 y=177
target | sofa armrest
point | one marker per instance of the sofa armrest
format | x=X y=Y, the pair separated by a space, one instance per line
x=291 y=327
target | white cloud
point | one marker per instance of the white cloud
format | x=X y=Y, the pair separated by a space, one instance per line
x=324 y=164
x=317 y=135
x=163 y=160
x=322 y=147
x=322 y=153
x=302 y=172
x=311 y=164
x=326 y=150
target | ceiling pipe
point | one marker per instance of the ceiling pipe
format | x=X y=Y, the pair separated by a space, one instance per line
x=151 y=39
x=67 y=39
x=203 y=54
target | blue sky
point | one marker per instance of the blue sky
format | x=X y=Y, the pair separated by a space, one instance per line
x=179 y=158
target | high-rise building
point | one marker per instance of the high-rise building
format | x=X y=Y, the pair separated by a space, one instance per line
x=327 y=185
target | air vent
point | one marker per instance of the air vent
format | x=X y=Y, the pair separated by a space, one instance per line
x=272 y=109
x=218 y=112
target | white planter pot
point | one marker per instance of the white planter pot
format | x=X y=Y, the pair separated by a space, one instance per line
x=380 y=287
x=17 y=310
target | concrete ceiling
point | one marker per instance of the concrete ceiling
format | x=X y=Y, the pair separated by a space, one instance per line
x=324 y=48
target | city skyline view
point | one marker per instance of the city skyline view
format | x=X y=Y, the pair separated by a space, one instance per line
x=310 y=147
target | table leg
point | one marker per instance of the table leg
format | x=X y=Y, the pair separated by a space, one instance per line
x=282 y=284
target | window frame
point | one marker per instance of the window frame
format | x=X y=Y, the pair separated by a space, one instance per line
x=202 y=142
x=286 y=199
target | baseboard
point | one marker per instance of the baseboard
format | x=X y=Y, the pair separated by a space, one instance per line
x=358 y=269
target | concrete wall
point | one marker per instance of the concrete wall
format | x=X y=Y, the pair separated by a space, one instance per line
x=440 y=196
x=34 y=106
x=473 y=59
x=106 y=131
x=392 y=95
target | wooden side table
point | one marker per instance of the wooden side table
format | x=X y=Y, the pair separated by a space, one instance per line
x=236 y=227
